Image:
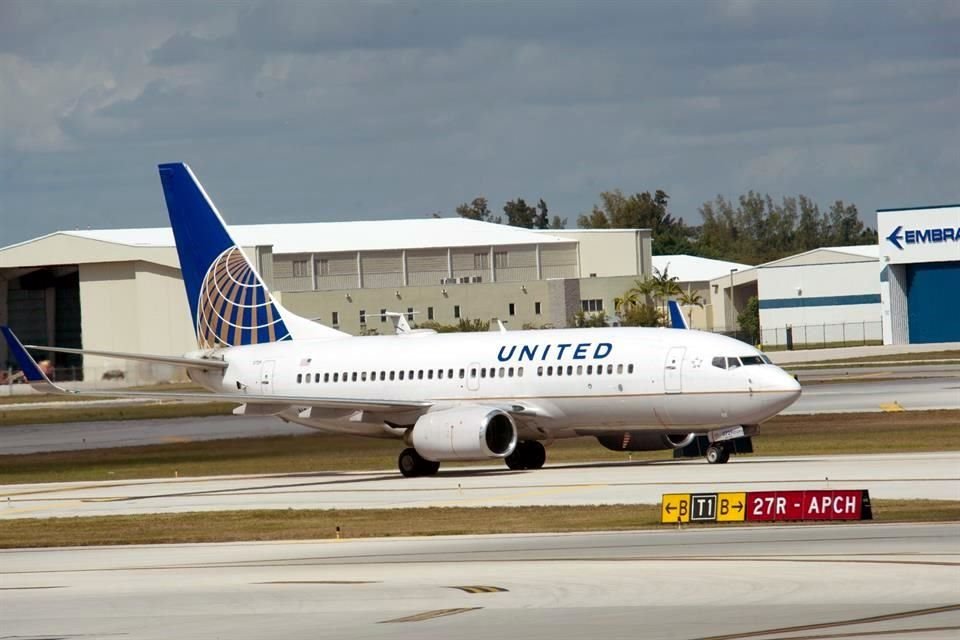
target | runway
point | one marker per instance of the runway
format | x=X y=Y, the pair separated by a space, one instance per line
x=874 y=392
x=897 y=581
x=893 y=476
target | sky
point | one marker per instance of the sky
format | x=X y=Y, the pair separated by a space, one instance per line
x=323 y=111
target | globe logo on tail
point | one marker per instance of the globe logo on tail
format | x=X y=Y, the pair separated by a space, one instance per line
x=235 y=307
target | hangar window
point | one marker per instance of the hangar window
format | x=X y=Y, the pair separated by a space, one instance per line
x=593 y=305
x=409 y=314
x=429 y=313
x=481 y=261
x=719 y=362
x=300 y=269
x=456 y=311
x=383 y=315
x=536 y=308
x=335 y=318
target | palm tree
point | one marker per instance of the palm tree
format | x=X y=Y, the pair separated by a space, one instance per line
x=665 y=286
x=690 y=298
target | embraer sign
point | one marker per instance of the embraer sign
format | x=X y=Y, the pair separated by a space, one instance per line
x=936 y=235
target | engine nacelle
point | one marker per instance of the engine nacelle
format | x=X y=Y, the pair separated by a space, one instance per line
x=465 y=433
x=645 y=440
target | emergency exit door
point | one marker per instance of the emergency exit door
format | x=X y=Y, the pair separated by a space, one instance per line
x=673 y=370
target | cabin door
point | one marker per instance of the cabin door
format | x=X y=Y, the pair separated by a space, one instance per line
x=673 y=370
x=266 y=377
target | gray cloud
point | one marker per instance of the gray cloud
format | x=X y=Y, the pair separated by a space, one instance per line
x=299 y=111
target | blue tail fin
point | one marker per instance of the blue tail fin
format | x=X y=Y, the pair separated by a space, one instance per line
x=677 y=321
x=229 y=303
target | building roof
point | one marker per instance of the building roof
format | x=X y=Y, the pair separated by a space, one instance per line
x=694 y=268
x=327 y=237
x=826 y=255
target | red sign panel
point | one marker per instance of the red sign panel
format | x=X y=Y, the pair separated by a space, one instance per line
x=804 y=505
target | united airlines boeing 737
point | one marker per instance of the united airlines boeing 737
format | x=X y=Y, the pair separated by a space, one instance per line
x=448 y=397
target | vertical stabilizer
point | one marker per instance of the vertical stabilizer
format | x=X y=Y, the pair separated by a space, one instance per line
x=677 y=321
x=229 y=303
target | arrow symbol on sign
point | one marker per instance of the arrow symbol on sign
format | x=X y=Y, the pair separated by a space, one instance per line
x=669 y=508
x=738 y=506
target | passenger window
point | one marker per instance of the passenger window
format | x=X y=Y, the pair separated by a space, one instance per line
x=589 y=369
x=483 y=373
x=473 y=373
x=569 y=369
x=559 y=371
x=429 y=374
x=336 y=377
x=326 y=377
x=420 y=374
x=410 y=375
x=316 y=377
x=363 y=376
x=629 y=368
x=549 y=371
x=519 y=372
x=450 y=373
x=391 y=375
x=383 y=376
x=345 y=376
x=353 y=377
x=619 y=368
x=401 y=374
x=599 y=369
x=440 y=374
x=299 y=378
x=539 y=371
x=579 y=369
x=510 y=372
x=501 y=372
x=462 y=374
x=609 y=369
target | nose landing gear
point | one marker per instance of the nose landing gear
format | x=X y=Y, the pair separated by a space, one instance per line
x=718 y=453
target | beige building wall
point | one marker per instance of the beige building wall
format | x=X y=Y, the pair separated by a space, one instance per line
x=611 y=252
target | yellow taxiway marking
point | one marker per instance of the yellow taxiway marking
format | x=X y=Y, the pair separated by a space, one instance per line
x=430 y=615
x=176 y=440
x=892 y=407
x=479 y=588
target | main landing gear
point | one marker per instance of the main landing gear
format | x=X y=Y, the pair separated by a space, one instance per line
x=412 y=464
x=718 y=453
x=528 y=454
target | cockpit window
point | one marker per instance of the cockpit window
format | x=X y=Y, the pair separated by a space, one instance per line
x=749 y=360
x=766 y=358
x=720 y=362
x=733 y=363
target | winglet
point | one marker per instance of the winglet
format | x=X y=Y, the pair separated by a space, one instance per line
x=677 y=321
x=31 y=370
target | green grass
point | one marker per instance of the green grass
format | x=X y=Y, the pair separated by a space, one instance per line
x=232 y=526
x=94 y=413
x=785 y=435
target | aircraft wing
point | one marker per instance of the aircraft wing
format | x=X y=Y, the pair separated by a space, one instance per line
x=39 y=381
x=189 y=363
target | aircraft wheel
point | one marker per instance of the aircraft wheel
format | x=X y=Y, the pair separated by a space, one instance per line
x=536 y=455
x=725 y=456
x=412 y=464
x=715 y=454
x=517 y=461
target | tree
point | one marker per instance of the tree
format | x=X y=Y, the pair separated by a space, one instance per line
x=642 y=315
x=641 y=211
x=520 y=214
x=558 y=223
x=583 y=319
x=477 y=209
x=665 y=287
x=690 y=298
x=749 y=320
x=541 y=219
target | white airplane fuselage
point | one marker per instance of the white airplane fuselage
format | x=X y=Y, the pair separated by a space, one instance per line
x=559 y=383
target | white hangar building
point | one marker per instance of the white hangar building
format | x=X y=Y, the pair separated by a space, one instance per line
x=120 y=290
x=920 y=254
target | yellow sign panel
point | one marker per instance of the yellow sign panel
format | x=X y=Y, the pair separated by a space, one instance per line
x=731 y=507
x=675 y=508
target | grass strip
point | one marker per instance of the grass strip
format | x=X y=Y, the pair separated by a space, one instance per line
x=237 y=526
x=94 y=413
x=909 y=431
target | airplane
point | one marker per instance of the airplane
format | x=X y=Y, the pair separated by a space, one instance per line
x=447 y=396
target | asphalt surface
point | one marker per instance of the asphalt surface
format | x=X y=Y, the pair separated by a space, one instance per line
x=895 y=476
x=838 y=581
x=871 y=390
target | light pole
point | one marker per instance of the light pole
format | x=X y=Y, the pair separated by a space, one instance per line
x=731 y=313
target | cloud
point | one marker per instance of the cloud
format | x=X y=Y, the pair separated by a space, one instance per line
x=365 y=109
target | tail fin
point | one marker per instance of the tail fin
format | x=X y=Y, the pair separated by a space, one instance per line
x=229 y=303
x=677 y=321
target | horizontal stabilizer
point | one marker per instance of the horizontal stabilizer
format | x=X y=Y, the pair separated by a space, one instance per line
x=189 y=363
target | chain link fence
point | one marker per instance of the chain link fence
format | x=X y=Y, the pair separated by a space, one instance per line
x=818 y=336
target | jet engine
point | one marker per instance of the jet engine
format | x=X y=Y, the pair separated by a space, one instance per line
x=464 y=433
x=645 y=440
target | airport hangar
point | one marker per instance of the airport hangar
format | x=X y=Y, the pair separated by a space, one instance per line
x=899 y=291
x=120 y=289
